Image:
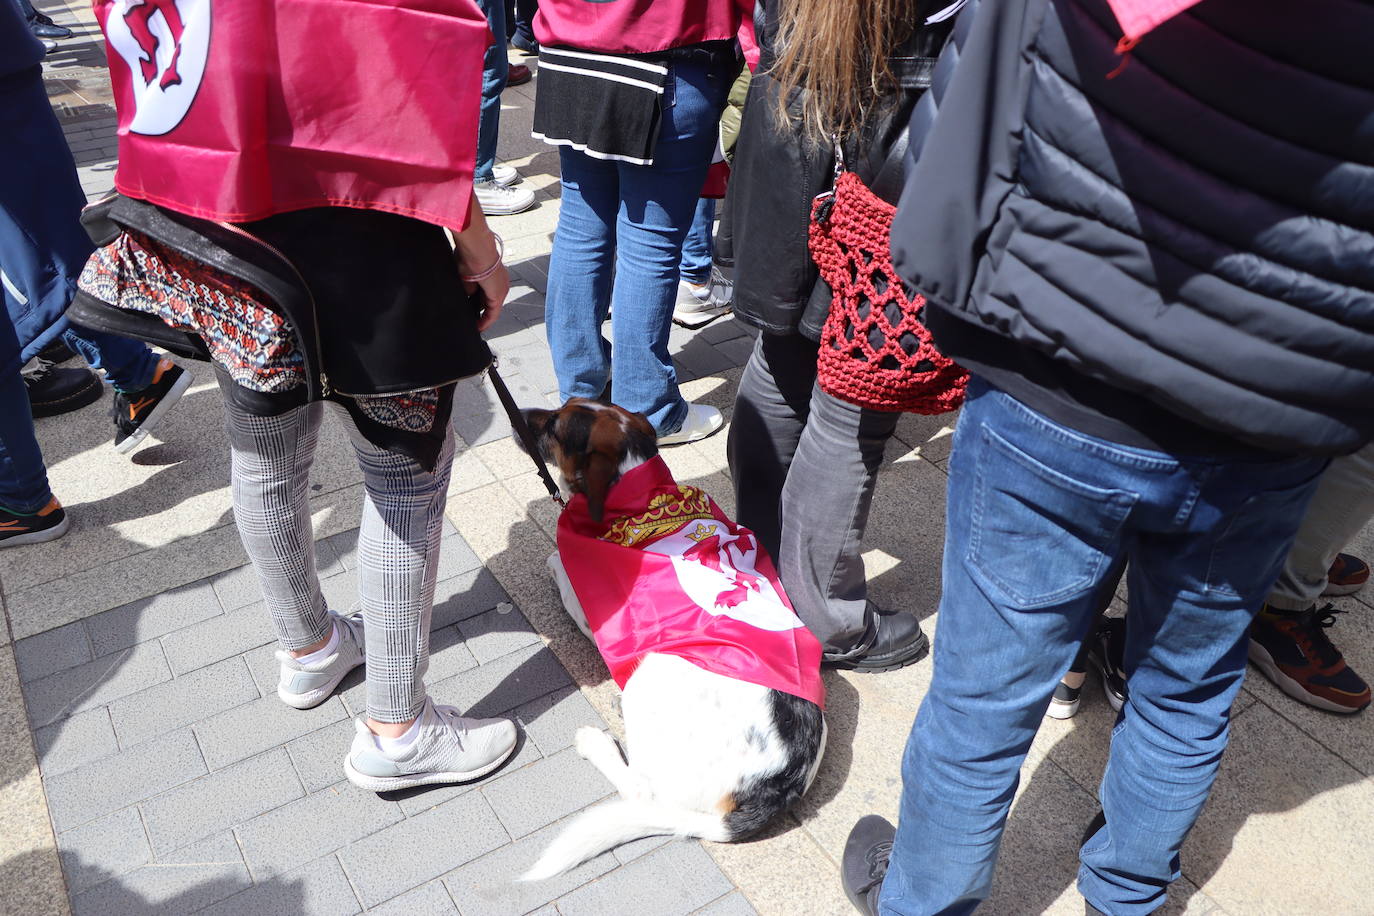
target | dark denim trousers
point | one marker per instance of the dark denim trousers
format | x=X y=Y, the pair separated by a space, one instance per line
x=1037 y=516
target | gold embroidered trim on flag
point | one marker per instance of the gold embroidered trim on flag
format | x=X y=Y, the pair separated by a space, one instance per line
x=667 y=513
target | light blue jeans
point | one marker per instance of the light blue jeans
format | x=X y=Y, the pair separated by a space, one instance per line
x=1037 y=515
x=698 y=247
x=617 y=248
x=495 y=70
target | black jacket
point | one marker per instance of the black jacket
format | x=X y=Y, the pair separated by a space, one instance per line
x=777 y=173
x=1197 y=232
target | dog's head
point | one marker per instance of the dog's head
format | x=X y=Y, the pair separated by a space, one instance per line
x=591 y=444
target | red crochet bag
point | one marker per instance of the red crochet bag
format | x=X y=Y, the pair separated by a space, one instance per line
x=875 y=352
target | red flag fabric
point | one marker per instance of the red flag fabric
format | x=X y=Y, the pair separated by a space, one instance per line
x=1140 y=16
x=667 y=572
x=239 y=109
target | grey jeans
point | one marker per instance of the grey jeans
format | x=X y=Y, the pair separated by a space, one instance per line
x=804 y=466
x=398 y=545
x=1342 y=505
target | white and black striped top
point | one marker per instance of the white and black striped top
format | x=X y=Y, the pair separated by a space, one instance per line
x=605 y=105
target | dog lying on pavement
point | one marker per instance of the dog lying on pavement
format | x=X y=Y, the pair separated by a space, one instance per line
x=721 y=681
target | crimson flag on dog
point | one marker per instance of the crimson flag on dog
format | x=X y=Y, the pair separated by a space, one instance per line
x=669 y=573
x=239 y=109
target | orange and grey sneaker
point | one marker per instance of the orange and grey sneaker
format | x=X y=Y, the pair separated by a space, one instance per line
x=1347 y=575
x=47 y=524
x=135 y=413
x=1293 y=651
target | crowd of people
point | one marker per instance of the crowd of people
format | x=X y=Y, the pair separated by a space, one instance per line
x=1138 y=231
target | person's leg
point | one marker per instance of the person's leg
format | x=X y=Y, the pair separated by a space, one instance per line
x=825 y=505
x=523 y=26
x=697 y=248
x=580 y=270
x=128 y=364
x=23 y=477
x=771 y=406
x=494 y=70
x=1193 y=594
x=656 y=206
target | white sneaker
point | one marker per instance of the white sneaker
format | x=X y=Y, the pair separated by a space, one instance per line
x=701 y=421
x=504 y=175
x=449 y=748
x=500 y=201
x=696 y=305
x=307 y=686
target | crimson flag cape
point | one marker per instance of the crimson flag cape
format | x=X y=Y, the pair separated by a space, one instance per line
x=1140 y=16
x=669 y=573
x=239 y=109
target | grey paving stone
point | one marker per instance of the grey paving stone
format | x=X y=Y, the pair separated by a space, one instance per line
x=95 y=683
x=341 y=591
x=263 y=665
x=231 y=796
x=733 y=904
x=150 y=618
x=237 y=588
x=103 y=849
x=488 y=886
x=455 y=557
x=465 y=595
x=552 y=720
x=676 y=879
x=493 y=634
x=701 y=359
x=417 y=801
x=194 y=877
x=56 y=650
x=74 y=741
x=264 y=723
x=736 y=350
x=318 y=889
x=726 y=328
x=421 y=848
x=503 y=684
x=429 y=900
x=218 y=638
x=545 y=791
x=182 y=701
x=107 y=785
x=631 y=851
x=311 y=827
x=345 y=547
x=319 y=755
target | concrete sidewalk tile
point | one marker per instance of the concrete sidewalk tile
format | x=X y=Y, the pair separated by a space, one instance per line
x=469 y=473
x=465 y=595
x=737 y=350
x=194 y=877
x=103 y=849
x=344 y=547
x=311 y=827
x=545 y=791
x=421 y=848
x=52 y=651
x=418 y=801
x=254 y=727
x=455 y=558
x=727 y=328
x=182 y=701
x=75 y=741
x=494 y=634
x=674 y=880
x=319 y=756
x=488 y=886
x=230 y=796
x=266 y=670
x=628 y=852
x=319 y=889
x=732 y=904
x=95 y=683
x=341 y=592
x=149 y=618
x=107 y=785
x=551 y=721
x=431 y=899
x=237 y=587
x=501 y=685
x=218 y=638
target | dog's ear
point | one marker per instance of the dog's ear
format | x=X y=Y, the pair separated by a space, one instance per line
x=597 y=475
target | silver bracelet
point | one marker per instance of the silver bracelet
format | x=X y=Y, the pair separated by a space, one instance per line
x=500 y=255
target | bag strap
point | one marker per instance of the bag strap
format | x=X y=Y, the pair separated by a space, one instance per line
x=522 y=429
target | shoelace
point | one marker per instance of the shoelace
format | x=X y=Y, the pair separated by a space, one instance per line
x=877 y=859
x=1311 y=629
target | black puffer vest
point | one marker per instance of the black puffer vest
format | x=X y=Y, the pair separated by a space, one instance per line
x=1197 y=230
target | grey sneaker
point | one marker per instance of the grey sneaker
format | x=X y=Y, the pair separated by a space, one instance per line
x=697 y=305
x=450 y=748
x=307 y=686
x=499 y=201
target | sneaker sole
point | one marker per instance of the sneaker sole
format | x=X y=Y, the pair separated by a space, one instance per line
x=699 y=319
x=393 y=783
x=315 y=697
x=671 y=440
x=1261 y=659
x=169 y=400
x=1061 y=710
x=38 y=537
x=909 y=656
x=508 y=211
x=1115 y=699
x=1333 y=590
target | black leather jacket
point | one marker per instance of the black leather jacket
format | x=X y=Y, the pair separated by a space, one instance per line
x=777 y=173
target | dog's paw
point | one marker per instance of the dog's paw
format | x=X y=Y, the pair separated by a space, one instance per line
x=590 y=741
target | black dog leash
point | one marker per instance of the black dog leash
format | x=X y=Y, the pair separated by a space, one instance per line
x=522 y=429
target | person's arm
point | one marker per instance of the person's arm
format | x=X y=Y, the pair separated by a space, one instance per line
x=479 y=254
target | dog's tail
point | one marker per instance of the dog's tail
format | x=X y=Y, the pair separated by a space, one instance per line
x=607 y=826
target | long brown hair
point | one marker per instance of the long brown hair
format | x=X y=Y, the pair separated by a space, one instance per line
x=837 y=50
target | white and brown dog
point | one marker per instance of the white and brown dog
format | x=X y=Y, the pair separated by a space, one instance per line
x=709 y=754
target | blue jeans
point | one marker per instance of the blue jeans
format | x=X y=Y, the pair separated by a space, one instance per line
x=697 y=248
x=23 y=478
x=618 y=244
x=495 y=67
x=128 y=364
x=1037 y=516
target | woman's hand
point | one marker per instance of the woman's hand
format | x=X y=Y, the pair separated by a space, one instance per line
x=477 y=252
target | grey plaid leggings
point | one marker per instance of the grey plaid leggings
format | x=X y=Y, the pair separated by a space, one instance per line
x=398 y=545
